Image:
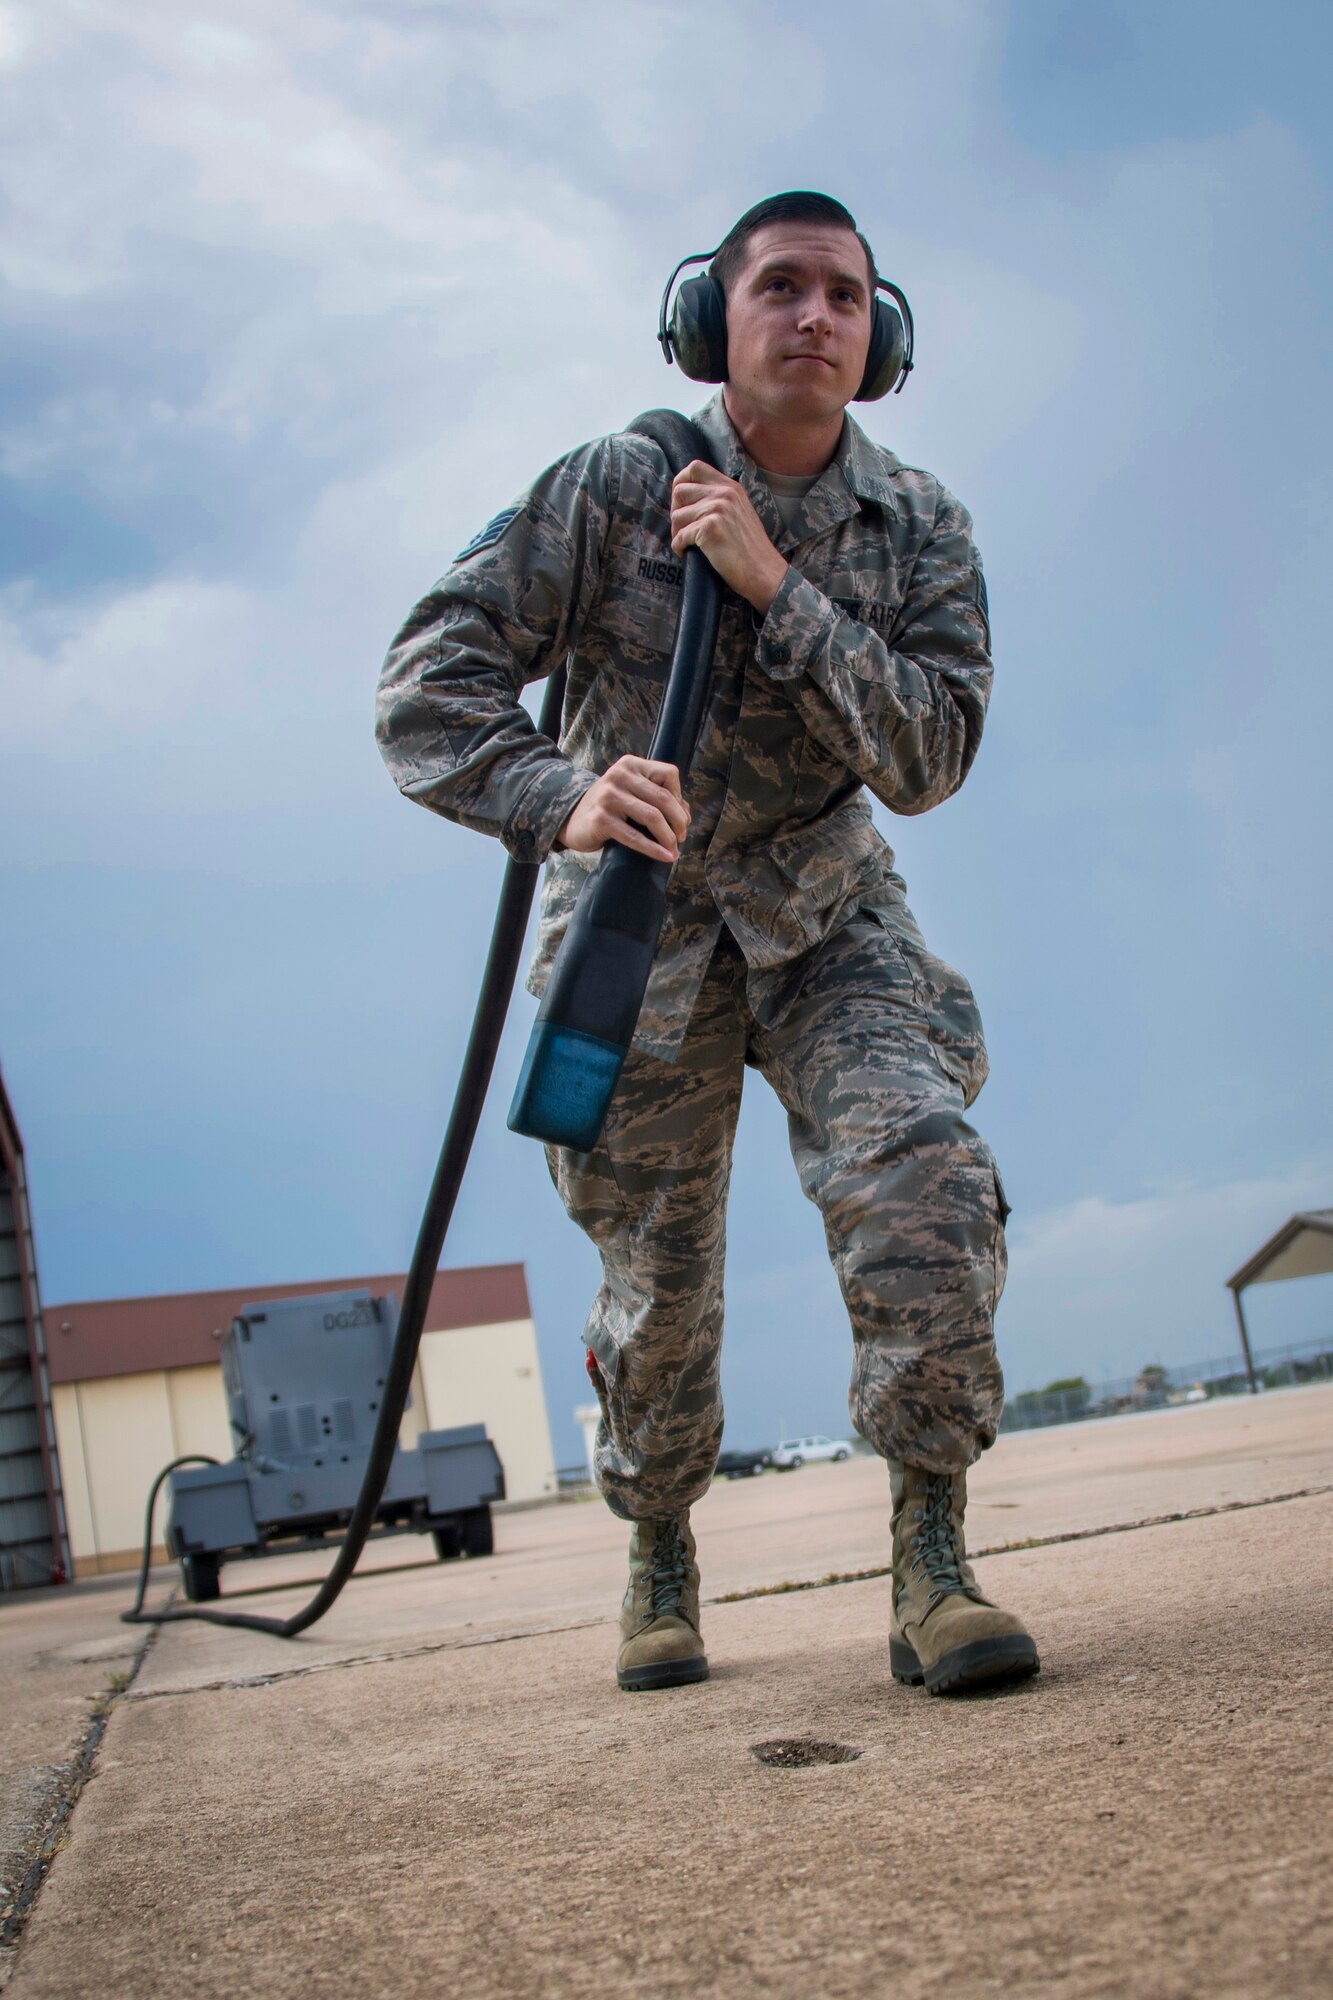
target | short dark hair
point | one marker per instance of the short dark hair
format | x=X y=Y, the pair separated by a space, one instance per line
x=802 y=205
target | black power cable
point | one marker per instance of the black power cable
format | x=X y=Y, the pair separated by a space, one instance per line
x=594 y=995
x=511 y=923
x=683 y=696
x=135 y=1616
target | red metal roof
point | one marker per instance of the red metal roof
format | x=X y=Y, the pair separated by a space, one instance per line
x=93 y=1338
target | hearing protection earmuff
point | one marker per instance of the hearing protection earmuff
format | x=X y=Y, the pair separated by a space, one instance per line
x=695 y=335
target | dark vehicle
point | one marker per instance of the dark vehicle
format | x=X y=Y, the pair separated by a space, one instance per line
x=743 y=1464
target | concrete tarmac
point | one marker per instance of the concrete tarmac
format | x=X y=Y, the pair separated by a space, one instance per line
x=441 y=1790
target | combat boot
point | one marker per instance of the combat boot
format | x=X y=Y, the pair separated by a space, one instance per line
x=659 y=1620
x=944 y=1632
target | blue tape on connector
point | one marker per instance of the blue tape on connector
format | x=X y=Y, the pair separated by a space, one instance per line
x=565 y=1087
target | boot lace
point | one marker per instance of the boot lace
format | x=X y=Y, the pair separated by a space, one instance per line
x=670 y=1564
x=933 y=1545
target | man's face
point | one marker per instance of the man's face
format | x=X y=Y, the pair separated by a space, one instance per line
x=798 y=323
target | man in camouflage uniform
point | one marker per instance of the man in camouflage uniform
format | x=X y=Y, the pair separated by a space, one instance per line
x=853 y=653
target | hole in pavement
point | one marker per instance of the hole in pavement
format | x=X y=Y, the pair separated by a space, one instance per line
x=792 y=1753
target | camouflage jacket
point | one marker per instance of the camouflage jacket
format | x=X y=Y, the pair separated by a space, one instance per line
x=871 y=669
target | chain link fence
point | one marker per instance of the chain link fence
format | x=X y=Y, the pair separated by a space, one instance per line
x=1155 y=1388
x=1076 y=1401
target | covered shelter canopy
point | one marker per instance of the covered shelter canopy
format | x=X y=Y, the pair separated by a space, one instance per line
x=1302 y=1248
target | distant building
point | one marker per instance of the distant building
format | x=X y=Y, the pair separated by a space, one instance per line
x=137 y=1382
x=34 y=1545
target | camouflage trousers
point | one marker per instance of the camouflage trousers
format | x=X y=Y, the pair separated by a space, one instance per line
x=874 y=1060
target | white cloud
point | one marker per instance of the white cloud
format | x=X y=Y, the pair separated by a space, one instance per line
x=1100 y=1235
x=143 y=659
x=1100 y=1286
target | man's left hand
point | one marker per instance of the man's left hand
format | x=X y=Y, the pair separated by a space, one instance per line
x=714 y=514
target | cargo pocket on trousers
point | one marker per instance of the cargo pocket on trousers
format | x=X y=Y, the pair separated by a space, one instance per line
x=587 y=1185
x=604 y=1373
x=947 y=1003
x=603 y=1360
x=1001 y=1251
x=952 y=1017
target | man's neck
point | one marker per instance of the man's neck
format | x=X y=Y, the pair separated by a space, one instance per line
x=800 y=450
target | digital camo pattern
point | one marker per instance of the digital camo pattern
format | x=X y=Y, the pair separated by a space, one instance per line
x=875 y=1056
x=871 y=669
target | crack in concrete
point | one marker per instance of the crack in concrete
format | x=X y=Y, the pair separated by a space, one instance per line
x=240 y=1682
x=1030 y=1542
x=47 y=1833
x=417 y=1652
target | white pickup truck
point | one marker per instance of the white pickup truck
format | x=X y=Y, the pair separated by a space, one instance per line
x=804 y=1451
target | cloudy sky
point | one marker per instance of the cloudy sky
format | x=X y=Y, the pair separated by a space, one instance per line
x=295 y=298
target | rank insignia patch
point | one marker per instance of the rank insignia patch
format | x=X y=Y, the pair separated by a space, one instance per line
x=490 y=533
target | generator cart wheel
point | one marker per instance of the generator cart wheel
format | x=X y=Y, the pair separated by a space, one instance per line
x=199 y=1574
x=478 y=1533
x=448 y=1542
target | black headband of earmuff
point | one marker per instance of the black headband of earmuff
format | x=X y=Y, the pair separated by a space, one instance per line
x=694 y=334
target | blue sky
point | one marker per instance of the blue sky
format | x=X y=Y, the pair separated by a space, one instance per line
x=293 y=300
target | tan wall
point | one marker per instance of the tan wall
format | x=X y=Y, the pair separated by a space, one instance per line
x=115 y=1435
x=74 y=1475
x=199 y=1411
x=414 y=1416
x=492 y=1375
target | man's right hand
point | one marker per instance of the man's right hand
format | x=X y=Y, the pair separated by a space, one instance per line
x=638 y=803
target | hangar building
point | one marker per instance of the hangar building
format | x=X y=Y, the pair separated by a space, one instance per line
x=34 y=1547
x=136 y=1382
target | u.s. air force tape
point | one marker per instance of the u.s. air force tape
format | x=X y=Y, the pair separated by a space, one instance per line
x=490 y=533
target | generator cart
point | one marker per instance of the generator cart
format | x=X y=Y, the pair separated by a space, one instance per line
x=303 y=1379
